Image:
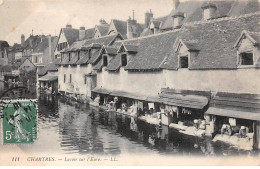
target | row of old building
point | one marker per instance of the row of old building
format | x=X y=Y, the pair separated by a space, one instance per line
x=194 y=70
x=198 y=75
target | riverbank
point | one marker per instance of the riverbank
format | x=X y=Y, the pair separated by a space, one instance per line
x=154 y=119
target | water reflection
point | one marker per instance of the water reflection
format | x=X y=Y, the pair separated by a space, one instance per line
x=83 y=130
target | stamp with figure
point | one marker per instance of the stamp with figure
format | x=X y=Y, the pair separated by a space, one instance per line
x=19 y=121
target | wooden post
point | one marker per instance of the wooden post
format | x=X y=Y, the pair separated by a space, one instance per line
x=256 y=137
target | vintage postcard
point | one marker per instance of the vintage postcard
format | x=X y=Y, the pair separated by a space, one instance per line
x=129 y=82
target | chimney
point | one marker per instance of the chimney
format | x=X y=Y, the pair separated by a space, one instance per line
x=176 y=4
x=68 y=26
x=22 y=39
x=30 y=41
x=82 y=32
x=148 y=17
x=42 y=36
x=131 y=31
x=209 y=10
x=177 y=19
x=50 y=49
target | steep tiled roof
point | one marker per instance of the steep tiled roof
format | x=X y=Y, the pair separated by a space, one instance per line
x=103 y=29
x=73 y=60
x=156 y=23
x=146 y=32
x=94 y=56
x=244 y=7
x=105 y=40
x=188 y=8
x=114 y=64
x=89 y=33
x=151 y=51
x=137 y=28
x=130 y=47
x=71 y=35
x=57 y=61
x=98 y=66
x=35 y=40
x=110 y=50
x=16 y=47
x=255 y=36
x=216 y=40
x=83 y=59
x=121 y=26
x=76 y=45
x=3 y=44
x=50 y=67
x=19 y=62
x=194 y=12
x=45 y=44
x=65 y=60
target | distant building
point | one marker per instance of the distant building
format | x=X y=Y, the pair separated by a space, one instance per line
x=23 y=64
x=25 y=49
x=193 y=11
x=43 y=53
x=3 y=53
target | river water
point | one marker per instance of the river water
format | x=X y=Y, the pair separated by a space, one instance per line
x=68 y=127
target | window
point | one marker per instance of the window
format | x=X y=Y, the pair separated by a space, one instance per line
x=3 y=55
x=69 y=57
x=64 y=78
x=78 y=55
x=246 y=58
x=124 y=59
x=85 y=79
x=184 y=62
x=70 y=78
x=104 y=60
x=36 y=59
x=90 y=53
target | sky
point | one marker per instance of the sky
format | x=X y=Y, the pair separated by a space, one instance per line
x=49 y=16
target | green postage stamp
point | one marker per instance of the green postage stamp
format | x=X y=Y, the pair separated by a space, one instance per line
x=19 y=121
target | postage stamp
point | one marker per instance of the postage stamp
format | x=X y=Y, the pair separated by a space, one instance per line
x=19 y=121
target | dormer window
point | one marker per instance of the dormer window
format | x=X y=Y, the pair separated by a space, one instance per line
x=185 y=50
x=104 y=60
x=184 y=61
x=178 y=19
x=246 y=58
x=123 y=59
x=209 y=10
x=247 y=47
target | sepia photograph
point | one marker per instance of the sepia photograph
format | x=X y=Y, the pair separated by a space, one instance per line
x=129 y=82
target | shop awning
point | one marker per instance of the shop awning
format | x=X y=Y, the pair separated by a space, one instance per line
x=245 y=106
x=234 y=113
x=48 y=78
x=190 y=101
x=153 y=99
x=128 y=95
x=185 y=98
x=101 y=91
